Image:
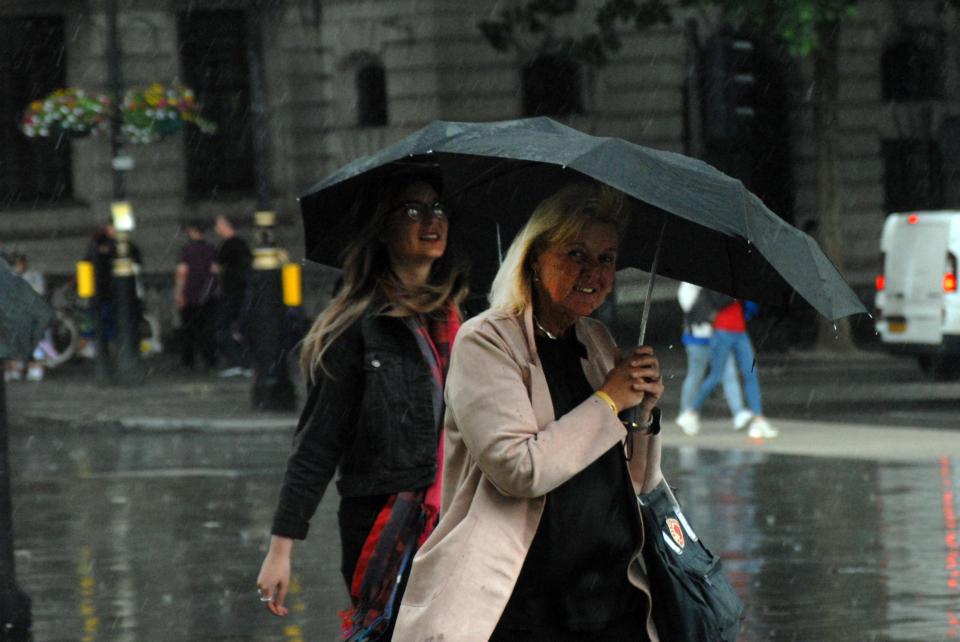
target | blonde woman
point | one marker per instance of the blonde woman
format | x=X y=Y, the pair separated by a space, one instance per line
x=375 y=359
x=541 y=532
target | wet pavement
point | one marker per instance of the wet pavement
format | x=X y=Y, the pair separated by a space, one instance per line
x=143 y=514
x=157 y=536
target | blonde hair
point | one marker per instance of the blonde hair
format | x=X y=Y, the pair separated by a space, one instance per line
x=366 y=270
x=557 y=219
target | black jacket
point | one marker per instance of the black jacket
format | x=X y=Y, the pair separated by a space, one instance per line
x=373 y=419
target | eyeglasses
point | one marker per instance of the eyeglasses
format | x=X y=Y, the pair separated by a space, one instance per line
x=417 y=211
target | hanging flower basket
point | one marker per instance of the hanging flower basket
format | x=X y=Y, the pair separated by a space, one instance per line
x=66 y=112
x=157 y=111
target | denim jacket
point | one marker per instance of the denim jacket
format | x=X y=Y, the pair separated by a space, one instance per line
x=372 y=417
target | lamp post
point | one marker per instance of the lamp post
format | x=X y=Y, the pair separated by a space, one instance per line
x=129 y=370
x=272 y=388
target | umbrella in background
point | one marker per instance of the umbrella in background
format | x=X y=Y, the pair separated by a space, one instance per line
x=691 y=221
x=24 y=316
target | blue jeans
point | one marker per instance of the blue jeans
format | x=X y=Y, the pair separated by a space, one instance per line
x=698 y=358
x=722 y=346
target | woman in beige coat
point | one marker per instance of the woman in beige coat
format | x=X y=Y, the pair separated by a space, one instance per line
x=540 y=534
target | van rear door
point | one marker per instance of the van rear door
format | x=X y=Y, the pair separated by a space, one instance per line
x=915 y=258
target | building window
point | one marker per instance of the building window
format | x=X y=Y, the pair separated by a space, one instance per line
x=32 y=64
x=213 y=58
x=913 y=68
x=551 y=86
x=371 y=95
x=912 y=175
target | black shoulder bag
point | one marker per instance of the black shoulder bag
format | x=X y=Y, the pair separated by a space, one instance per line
x=692 y=599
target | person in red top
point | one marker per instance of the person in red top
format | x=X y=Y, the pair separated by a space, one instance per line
x=730 y=337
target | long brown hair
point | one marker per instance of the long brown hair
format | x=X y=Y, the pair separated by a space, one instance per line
x=366 y=269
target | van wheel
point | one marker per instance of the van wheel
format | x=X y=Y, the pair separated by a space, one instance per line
x=940 y=367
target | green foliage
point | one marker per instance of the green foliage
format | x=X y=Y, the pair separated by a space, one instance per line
x=592 y=48
x=795 y=22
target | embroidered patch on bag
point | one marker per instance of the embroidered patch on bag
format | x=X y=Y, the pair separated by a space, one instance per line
x=676 y=531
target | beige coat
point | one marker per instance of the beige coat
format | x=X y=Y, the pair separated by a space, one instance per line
x=505 y=451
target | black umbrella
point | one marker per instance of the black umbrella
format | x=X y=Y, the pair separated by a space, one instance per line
x=24 y=316
x=700 y=225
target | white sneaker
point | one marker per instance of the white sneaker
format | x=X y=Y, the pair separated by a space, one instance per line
x=760 y=428
x=741 y=420
x=236 y=371
x=35 y=373
x=689 y=422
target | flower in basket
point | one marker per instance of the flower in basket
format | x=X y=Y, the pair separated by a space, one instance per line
x=66 y=112
x=158 y=111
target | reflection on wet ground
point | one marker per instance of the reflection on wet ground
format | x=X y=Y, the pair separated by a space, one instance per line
x=155 y=537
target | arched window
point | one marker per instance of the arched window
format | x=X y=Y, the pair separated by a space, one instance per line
x=913 y=68
x=551 y=86
x=371 y=85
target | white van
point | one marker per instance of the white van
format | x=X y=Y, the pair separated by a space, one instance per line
x=918 y=306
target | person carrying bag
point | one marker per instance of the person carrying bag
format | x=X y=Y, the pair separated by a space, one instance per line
x=694 y=601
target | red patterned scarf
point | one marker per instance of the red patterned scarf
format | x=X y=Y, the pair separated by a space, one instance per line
x=408 y=517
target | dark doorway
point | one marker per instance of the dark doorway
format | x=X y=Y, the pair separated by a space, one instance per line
x=213 y=58
x=32 y=64
x=745 y=90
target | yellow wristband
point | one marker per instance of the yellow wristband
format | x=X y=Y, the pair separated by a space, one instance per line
x=606 y=398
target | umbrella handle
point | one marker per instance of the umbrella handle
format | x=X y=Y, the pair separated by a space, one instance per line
x=631 y=416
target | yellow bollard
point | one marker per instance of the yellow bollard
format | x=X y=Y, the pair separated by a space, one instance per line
x=86 y=287
x=292 y=285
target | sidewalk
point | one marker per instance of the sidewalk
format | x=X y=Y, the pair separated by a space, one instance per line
x=822 y=439
x=168 y=400
x=171 y=400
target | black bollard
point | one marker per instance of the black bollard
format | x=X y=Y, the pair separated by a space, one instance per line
x=129 y=368
x=15 y=619
x=272 y=387
x=104 y=360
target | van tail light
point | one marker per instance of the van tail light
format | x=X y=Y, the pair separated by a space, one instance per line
x=881 y=280
x=950 y=274
x=949 y=282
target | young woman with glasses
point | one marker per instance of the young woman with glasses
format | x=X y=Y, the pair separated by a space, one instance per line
x=375 y=358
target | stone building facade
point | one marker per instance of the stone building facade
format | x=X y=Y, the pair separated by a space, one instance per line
x=342 y=78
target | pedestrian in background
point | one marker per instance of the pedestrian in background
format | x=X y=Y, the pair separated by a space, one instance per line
x=232 y=267
x=34 y=367
x=698 y=316
x=541 y=531
x=730 y=337
x=375 y=359
x=193 y=295
x=101 y=252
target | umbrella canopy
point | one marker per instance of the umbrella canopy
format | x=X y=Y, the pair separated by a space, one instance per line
x=715 y=232
x=24 y=315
